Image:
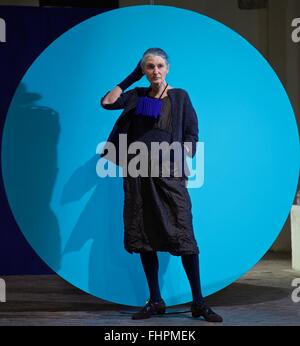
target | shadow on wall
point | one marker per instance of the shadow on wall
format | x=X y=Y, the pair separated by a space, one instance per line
x=30 y=170
x=111 y=269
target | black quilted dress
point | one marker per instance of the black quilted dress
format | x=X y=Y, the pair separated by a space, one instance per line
x=157 y=210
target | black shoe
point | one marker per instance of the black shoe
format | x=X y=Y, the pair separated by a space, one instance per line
x=202 y=309
x=151 y=308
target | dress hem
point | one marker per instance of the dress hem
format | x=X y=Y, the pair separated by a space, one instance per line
x=173 y=253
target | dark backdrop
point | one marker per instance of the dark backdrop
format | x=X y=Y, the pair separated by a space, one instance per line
x=29 y=30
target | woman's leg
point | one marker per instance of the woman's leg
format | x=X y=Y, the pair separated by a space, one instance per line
x=199 y=307
x=191 y=267
x=150 y=265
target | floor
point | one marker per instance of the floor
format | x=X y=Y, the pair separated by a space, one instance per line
x=261 y=297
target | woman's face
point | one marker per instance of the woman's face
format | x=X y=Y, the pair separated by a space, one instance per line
x=155 y=69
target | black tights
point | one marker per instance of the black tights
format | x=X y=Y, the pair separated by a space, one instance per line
x=191 y=267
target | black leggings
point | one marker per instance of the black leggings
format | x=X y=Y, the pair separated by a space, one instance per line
x=191 y=267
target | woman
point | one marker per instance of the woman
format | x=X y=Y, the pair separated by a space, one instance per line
x=157 y=209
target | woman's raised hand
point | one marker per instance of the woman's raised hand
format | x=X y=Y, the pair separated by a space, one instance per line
x=115 y=93
x=138 y=72
x=133 y=77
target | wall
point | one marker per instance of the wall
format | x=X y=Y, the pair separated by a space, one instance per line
x=269 y=30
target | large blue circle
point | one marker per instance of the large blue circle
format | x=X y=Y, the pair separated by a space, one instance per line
x=73 y=218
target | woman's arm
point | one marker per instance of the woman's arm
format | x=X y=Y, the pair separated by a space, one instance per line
x=190 y=127
x=116 y=99
x=111 y=96
x=119 y=103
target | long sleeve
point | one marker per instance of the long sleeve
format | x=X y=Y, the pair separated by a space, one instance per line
x=190 y=126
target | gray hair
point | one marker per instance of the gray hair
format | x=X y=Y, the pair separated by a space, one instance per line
x=154 y=51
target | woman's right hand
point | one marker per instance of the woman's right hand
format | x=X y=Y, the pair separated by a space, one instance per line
x=115 y=93
x=133 y=77
x=138 y=72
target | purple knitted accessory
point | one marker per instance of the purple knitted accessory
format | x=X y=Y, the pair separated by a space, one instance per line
x=149 y=106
